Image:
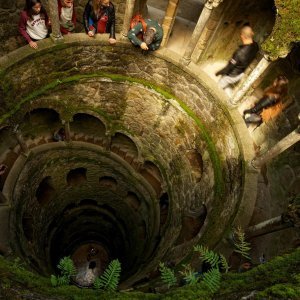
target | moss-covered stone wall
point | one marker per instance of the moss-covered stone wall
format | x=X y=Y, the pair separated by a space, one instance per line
x=166 y=110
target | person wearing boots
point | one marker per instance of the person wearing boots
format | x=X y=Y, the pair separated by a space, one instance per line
x=270 y=105
x=241 y=59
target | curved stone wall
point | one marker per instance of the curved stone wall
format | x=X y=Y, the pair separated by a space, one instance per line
x=186 y=146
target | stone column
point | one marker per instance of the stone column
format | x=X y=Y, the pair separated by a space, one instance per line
x=67 y=130
x=169 y=20
x=56 y=35
x=127 y=17
x=211 y=25
x=257 y=72
x=288 y=219
x=108 y=135
x=265 y=227
x=281 y=146
x=20 y=140
x=205 y=14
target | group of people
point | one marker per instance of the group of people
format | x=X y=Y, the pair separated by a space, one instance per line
x=98 y=17
x=271 y=103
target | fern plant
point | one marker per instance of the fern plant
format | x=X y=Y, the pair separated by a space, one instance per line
x=212 y=279
x=208 y=256
x=109 y=280
x=242 y=247
x=67 y=270
x=167 y=275
x=189 y=275
x=224 y=263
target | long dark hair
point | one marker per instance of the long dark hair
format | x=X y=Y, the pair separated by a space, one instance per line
x=29 y=10
x=278 y=89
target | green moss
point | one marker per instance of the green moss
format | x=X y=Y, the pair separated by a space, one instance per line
x=278 y=278
x=219 y=182
x=286 y=29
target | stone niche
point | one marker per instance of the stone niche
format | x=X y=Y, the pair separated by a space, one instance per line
x=154 y=116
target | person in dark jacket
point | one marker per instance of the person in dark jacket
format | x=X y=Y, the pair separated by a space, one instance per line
x=151 y=38
x=99 y=17
x=240 y=60
x=271 y=103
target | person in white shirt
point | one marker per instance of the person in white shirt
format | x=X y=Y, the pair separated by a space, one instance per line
x=34 y=22
x=67 y=16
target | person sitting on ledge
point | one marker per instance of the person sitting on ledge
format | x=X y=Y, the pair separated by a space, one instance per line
x=147 y=34
x=34 y=22
x=271 y=103
x=67 y=16
x=99 y=17
x=59 y=135
x=241 y=59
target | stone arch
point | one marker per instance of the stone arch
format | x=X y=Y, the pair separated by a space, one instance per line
x=133 y=201
x=40 y=122
x=90 y=202
x=45 y=191
x=196 y=162
x=27 y=224
x=88 y=124
x=9 y=150
x=3 y=200
x=76 y=177
x=230 y=19
x=192 y=223
x=124 y=146
x=164 y=208
x=153 y=175
x=108 y=182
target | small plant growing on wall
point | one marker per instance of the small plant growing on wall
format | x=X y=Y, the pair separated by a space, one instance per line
x=109 y=280
x=211 y=278
x=67 y=270
x=241 y=246
x=167 y=275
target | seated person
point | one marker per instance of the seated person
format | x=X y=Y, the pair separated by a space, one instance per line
x=99 y=17
x=241 y=59
x=152 y=35
x=34 y=22
x=67 y=17
x=270 y=105
x=59 y=135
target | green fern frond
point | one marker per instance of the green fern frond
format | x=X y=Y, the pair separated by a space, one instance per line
x=63 y=280
x=109 y=280
x=208 y=256
x=189 y=275
x=212 y=279
x=97 y=284
x=240 y=243
x=224 y=263
x=201 y=249
x=66 y=267
x=167 y=275
x=53 y=280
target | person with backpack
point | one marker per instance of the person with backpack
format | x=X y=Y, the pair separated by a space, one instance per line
x=147 y=34
x=271 y=103
x=34 y=22
x=67 y=17
x=99 y=17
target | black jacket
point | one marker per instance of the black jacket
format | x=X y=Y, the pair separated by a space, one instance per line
x=91 y=19
x=240 y=60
